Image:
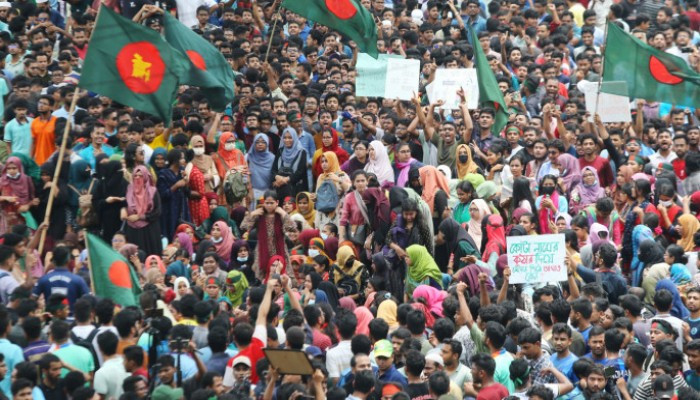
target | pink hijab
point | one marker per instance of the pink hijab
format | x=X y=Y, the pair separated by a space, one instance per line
x=572 y=171
x=185 y=242
x=161 y=266
x=364 y=316
x=432 y=296
x=139 y=196
x=347 y=303
x=223 y=248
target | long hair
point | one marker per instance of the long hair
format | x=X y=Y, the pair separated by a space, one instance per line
x=521 y=191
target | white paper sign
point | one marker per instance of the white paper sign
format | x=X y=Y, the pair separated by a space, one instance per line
x=613 y=103
x=402 y=77
x=448 y=81
x=534 y=259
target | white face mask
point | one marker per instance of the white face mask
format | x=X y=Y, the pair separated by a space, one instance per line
x=215 y=240
x=15 y=176
x=666 y=203
x=198 y=151
x=324 y=236
x=313 y=253
x=229 y=146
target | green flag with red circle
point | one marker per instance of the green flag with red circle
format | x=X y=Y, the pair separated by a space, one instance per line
x=209 y=69
x=132 y=65
x=112 y=275
x=348 y=17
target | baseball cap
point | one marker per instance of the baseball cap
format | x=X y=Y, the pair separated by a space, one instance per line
x=242 y=360
x=663 y=387
x=164 y=392
x=383 y=348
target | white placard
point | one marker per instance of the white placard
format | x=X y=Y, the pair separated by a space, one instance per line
x=402 y=77
x=611 y=107
x=534 y=259
x=448 y=81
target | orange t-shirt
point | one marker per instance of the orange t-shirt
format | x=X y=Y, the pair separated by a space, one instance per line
x=44 y=139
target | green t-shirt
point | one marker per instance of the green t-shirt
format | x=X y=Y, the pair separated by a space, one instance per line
x=77 y=357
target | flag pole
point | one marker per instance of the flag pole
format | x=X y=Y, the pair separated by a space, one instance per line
x=276 y=16
x=57 y=172
x=602 y=65
x=89 y=262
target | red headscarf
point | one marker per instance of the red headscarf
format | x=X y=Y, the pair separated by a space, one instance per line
x=335 y=148
x=364 y=317
x=496 y=233
x=228 y=159
x=268 y=268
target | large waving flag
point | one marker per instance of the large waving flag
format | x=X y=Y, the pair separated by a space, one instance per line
x=650 y=74
x=489 y=93
x=112 y=275
x=348 y=17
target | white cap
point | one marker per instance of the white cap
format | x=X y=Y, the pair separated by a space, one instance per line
x=5 y=4
x=417 y=17
x=41 y=1
x=435 y=357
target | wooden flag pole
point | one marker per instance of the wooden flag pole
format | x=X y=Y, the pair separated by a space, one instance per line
x=89 y=262
x=276 y=16
x=57 y=172
x=602 y=65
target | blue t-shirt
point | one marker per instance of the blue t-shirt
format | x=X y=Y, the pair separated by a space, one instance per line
x=565 y=365
x=585 y=334
x=694 y=327
x=692 y=379
x=62 y=281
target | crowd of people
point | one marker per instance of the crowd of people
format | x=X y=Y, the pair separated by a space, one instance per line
x=368 y=233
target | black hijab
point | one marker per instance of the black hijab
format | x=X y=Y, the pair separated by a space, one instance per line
x=454 y=233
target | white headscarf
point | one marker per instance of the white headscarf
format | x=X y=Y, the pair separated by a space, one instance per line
x=381 y=165
x=177 y=284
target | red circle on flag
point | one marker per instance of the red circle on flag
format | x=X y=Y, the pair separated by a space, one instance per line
x=661 y=73
x=141 y=67
x=343 y=9
x=120 y=275
x=197 y=59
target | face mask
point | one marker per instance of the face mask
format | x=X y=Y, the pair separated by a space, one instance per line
x=463 y=158
x=217 y=240
x=15 y=176
x=229 y=146
x=589 y=186
x=548 y=190
x=242 y=259
x=324 y=236
x=198 y=151
x=313 y=253
x=666 y=203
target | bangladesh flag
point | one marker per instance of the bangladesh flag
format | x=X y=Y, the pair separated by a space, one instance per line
x=133 y=65
x=112 y=275
x=650 y=74
x=209 y=70
x=345 y=16
x=489 y=93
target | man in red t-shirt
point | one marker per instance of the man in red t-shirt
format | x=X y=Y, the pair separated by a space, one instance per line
x=483 y=368
x=251 y=341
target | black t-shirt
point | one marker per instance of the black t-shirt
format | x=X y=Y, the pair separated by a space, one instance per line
x=56 y=393
x=418 y=391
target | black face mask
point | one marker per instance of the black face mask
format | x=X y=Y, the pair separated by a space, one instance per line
x=463 y=158
x=548 y=190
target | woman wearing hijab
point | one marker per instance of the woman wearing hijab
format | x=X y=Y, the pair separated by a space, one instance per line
x=330 y=143
x=331 y=171
x=378 y=207
x=651 y=254
x=388 y=311
x=236 y=286
x=454 y=243
x=204 y=163
x=223 y=240
x=181 y=287
x=569 y=172
x=184 y=241
x=197 y=183
x=588 y=192
x=350 y=275
x=435 y=190
x=228 y=157
x=16 y=193
x=654 y=274
x=487 y=191
x=242 y=260
x=479 y=212
x=172 y=188
x=110 y=197
x=142 y=213
x=403 y=164
x=422 y=270
x=79 y=182
x=289 y=171
x=57 y=221
x=379 y=163
x=305 y=208
x=158 y=159
x=260 y=162
x=465 y=163
x=364 y=317
x=219 y=213
x=154 y=261
x=640 y=234
x=432 y=298
x=688 y=225
x=496 y=242
x=331 y=292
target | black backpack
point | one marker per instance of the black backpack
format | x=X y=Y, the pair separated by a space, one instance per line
x=87 y=343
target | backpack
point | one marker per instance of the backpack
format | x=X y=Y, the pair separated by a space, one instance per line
x=87 y=343
x=327 y=197
x=235 y=186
